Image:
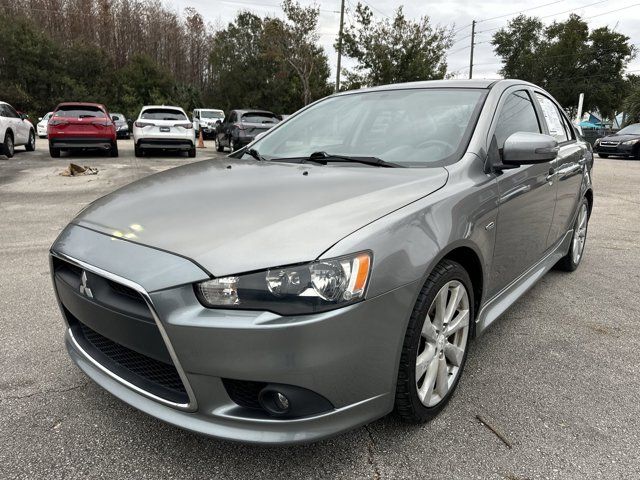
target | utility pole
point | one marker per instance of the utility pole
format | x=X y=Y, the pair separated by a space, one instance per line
x=340 y=46
x=473 y=38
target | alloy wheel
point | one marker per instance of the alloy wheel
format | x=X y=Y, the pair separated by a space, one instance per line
x=443 y=343
x=580 y=234
x=10 y=146
x=32 y=141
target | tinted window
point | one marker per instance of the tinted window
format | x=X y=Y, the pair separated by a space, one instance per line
x=552 y=118
x=78 y=111
x=411 y=127
x=517 y=115
x=116 y=117
x=259 y=117
x=163 y=114
x=3 y=112
x=567 y=126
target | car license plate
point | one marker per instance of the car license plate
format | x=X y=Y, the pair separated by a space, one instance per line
x=164 y=129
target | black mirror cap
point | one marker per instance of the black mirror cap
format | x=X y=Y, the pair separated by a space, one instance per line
x=526 y=148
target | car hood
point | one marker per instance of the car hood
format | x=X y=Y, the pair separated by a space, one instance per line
x=620 y=138
x=233 y=216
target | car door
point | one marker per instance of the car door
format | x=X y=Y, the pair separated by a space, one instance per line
x=227 y=126
x=526 y=194
x=568 y=167
x=20 y=127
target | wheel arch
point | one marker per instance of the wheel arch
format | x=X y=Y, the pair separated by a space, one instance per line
x=469 y=256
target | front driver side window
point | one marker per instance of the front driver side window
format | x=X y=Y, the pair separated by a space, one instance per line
x=517 y=115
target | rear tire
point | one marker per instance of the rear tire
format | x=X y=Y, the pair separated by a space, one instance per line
x=138 y=152
x=192 y=152
x=113 y=151
x=54 y=152
x=603 y=155
x=232 y=145
x=8 y=147
x=437 y=338
x=219 y=147
x=31 y=144
x=571 y=260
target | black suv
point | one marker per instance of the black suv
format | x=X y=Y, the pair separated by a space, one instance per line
x=242 y=126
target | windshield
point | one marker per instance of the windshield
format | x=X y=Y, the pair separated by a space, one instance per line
x=163 y=114
x=211 y=114
x=77 y=111
x=630 y=130
x=259 y=117
x=412 y=127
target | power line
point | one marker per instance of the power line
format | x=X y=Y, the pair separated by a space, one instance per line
x=521 y=11
x=376 y=9
x=611 y=11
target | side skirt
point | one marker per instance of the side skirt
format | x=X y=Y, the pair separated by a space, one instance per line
x=497 y=305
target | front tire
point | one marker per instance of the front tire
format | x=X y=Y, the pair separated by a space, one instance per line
x=31 y=144
x=436 y=343
x=571 y=260
x=8 y=148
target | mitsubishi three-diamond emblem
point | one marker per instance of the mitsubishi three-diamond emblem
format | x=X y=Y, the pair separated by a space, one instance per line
x=84 y=287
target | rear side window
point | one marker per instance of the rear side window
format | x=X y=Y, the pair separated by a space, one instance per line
x=517 y=115
x=163 y=114
x=259 y=117
x=79 y=111
x=553 y=118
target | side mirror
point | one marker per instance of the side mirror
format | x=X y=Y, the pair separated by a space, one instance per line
x=24 y=116
x=525 y=148
x=39 y=119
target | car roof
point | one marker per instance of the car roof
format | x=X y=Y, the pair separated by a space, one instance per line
x=80 y=104
x=147 y=107
x=456 y=83
x=256 y=110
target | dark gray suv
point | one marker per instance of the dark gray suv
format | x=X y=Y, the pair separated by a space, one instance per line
x=331 y=271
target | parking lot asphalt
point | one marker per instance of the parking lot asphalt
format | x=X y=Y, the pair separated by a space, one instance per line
x=557 y=375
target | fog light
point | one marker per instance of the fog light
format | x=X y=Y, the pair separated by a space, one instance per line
x=274 y=402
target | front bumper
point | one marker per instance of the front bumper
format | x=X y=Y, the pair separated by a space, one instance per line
x=42 y=131
x=349 y=356
x=619 y=149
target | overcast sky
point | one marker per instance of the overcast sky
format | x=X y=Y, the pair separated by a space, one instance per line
x=623 y=15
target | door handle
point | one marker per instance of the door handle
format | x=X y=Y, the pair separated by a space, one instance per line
x=582 y=161
x=552 y=173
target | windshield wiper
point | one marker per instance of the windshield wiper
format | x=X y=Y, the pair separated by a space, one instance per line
x=255 y=154
x=324 y=158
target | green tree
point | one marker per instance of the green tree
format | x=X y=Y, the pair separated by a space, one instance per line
x=394 y=50
x=567 y=59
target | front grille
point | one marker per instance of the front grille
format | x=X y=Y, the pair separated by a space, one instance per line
x=124 y=290
x=244 y=392
x=157 y=377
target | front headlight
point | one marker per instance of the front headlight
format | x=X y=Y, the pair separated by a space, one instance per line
x=631 y=142
x=293 y=290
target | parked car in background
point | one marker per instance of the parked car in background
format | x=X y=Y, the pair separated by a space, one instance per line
x=163 y=127
x=623 y=143
x=15 y=129
x=81 y=126
x=122 y=127
x=206 y=119
x=334 y=271
x=41 y=126
x=241 y=127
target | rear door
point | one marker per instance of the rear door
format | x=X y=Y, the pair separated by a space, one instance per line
x=568 y=167
x=84 y=121
x=526 y=195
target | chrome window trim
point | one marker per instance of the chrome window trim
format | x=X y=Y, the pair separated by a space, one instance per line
x=191 y=405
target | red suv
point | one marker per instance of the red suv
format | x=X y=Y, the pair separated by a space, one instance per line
x=77 y=125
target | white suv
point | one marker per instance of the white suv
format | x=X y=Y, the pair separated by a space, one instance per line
x=206 y=119
x=15 y=129
x=162 y=127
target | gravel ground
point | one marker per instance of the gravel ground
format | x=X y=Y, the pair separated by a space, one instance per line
x=557 y=375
